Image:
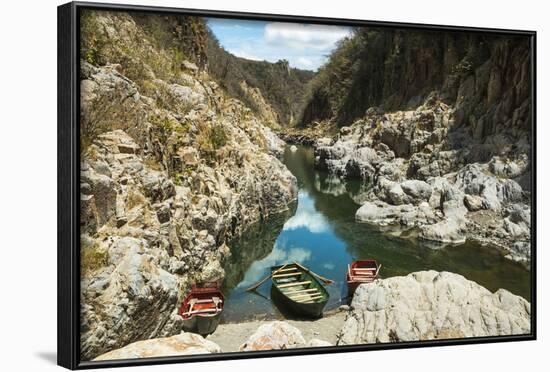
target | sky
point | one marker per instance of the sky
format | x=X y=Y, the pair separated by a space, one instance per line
x=305 y=46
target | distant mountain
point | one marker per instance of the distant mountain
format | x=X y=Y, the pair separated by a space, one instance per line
x=482 y=75
x=281 y=86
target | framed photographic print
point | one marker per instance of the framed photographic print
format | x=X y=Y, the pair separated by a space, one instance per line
x=236 y=185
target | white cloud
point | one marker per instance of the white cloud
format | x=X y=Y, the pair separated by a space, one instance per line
x=305 y=46
x=329 y=266
x=300 y=36
x=307 y=216
x=277 y=256
x=306 y=62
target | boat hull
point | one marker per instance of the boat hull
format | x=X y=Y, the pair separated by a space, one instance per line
x=201 y=309
x=202 y=325
x=361 y=264
x=291 y=308
x=352 y=286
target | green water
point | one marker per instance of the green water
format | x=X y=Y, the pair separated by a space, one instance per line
x=321 y=233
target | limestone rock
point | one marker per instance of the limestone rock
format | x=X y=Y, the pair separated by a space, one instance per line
x=475 y=180
x=407 y=158
x=138 y=293
x=314 y=342
x=429 y=305
x=104 y=193
x=274 y=336
x=445 y=231
x=182 y=344
x=473 y=202
x=416 y=190
x=381 y=213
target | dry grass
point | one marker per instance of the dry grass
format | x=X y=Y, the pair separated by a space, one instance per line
x=93 y=258
x=135 y=198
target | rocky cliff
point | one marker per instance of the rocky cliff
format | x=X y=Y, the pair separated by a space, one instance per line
x=437 y=125
x=172 y=169
x=486 y=76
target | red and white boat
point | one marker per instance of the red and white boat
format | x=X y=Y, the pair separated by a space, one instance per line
x=201 y=309
x=361 y=271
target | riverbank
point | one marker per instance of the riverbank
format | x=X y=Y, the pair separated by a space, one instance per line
x=323 y=234
x=231 y=336
x=421 y=173
x=424 y=305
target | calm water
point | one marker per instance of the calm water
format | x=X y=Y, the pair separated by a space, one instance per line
x=321 y=233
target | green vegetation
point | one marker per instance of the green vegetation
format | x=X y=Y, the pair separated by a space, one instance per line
x=92 y=39
x=391 y=68
x=211 y=138
x=165 y=125
x=167 y=41
x=103 y=116
x=93 y=258
x=281 y=86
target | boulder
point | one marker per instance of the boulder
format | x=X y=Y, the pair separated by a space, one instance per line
x=140 y=297
x=182 y=344
x=380 y=213
x=429 y=305
x=186 y=95
x=509 y=168
x=475 y=179
x=157 y=186
x=518 y=221
x=274 y=336
x=212 y=271
x=416 y=190
x=448 y=231
x=473 y=202
x=103 y=189
x=88 y=214
x=190 y=66
x=118 y=141
x=397 y=138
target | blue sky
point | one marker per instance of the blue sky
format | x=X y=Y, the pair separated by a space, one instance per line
x=305 y=46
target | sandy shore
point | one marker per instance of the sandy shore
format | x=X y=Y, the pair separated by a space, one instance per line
x=231 y=336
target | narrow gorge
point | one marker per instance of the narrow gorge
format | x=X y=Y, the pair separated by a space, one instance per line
x=197 y=165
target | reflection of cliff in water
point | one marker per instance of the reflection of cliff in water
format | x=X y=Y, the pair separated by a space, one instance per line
x=333 y=198
x=262 y=235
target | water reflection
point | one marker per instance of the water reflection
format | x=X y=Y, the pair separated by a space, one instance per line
x=279 y=255
x=323 y=235
x=307 y=216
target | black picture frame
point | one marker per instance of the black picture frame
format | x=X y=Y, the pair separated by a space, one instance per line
x=68 y=250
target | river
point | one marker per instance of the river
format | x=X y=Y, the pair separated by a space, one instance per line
x=321 y=233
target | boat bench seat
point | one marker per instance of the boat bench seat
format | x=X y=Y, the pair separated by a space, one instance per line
x=293 y=284
x=286 y=275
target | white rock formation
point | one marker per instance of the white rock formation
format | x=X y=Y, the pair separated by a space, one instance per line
x=274 y=336
x=182 y=344
x=429 y=305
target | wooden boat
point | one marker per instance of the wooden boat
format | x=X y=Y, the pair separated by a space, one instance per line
x=295 y=289
x=201 y=309
x=361 y=271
